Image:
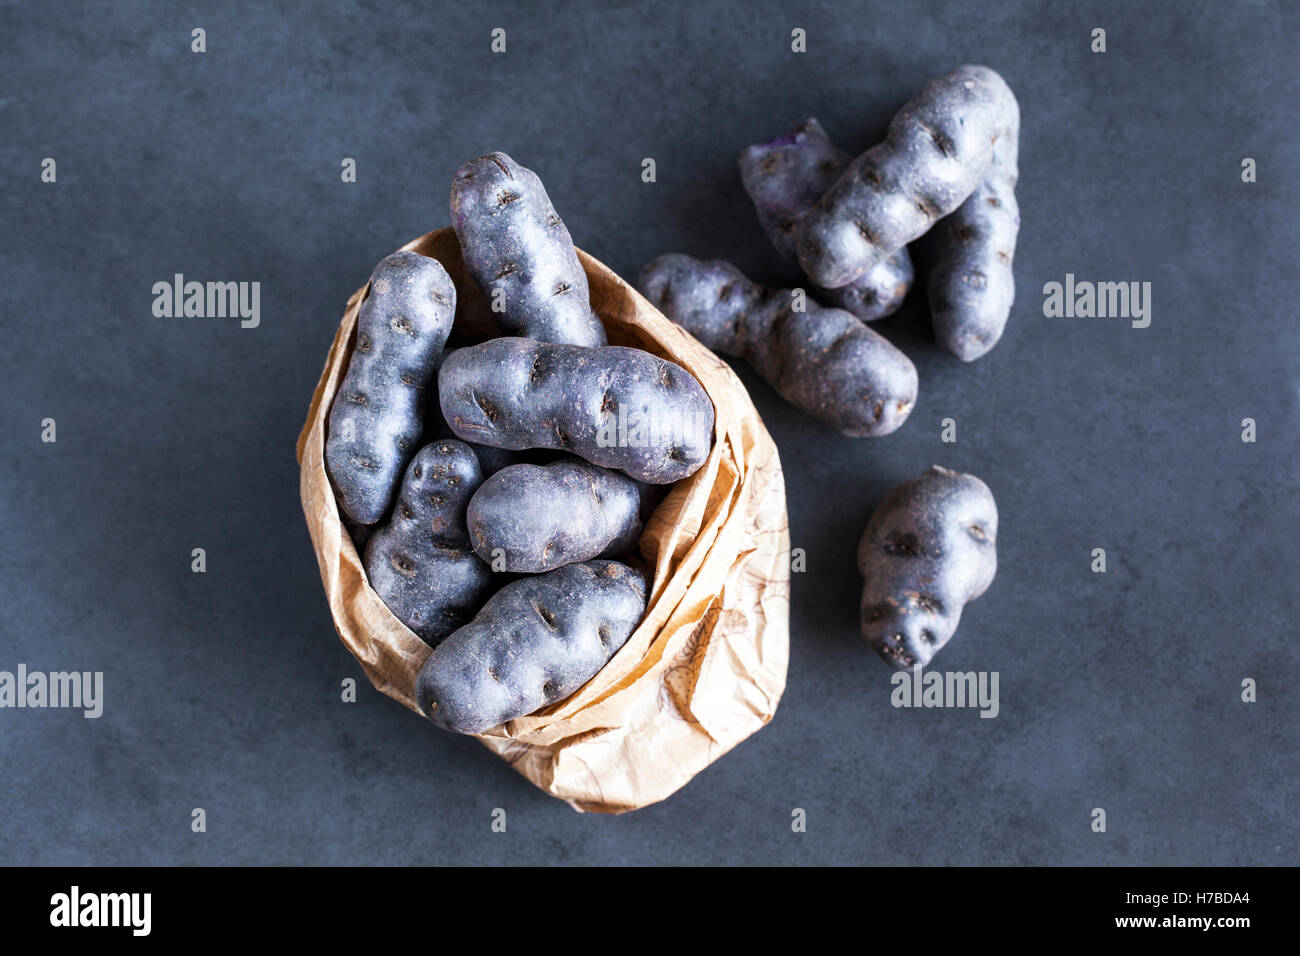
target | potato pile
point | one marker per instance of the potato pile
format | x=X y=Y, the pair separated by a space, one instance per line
x=949 y=160
x=499 y=489
x=527 y=463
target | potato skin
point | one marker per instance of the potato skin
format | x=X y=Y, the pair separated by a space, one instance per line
x=544 y=517
x=929 y=548
x=514 y=242
x=420 y=563
x=823 y=361
x=490 y=460
x=616 y=407
x=938 y=149
x=535 y=642
x=784 y=178
x=375 y=422
x=972 y=283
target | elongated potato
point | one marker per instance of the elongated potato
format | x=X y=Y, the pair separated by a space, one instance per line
x=823 y=361
x=616 y=407
x=928 y=550
x=420 y=563
x=537 y=519
x=520 y=253
x=938 y=149
x=535 y=642
x=972 y=283
x=784 y=178
x=375 y=421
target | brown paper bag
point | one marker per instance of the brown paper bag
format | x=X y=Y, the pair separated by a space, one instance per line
x=703 y=670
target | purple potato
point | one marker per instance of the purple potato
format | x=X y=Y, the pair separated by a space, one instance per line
x=823 y=361
x=616 y=407
x=420 y=563
x=376 y=420
x=536 y=641
x=972 y=283
x=536 y=519
x=929 y=549
x=939 y=148
x=520 y=253
x=784 y=178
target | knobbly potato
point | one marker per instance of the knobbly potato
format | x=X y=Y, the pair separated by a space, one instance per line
x=535 y=642
x=939 y=147
x=929 y=549
x=823 y=361
x=517 y=249
x=420 y=563
x=616 y=407
x=972 y=284
x=375 y=421
x=537 y=519
x=490 y=460
x=784 y=178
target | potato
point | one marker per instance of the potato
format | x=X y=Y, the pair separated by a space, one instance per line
x=520 y=253
x=823 y=361
x=535 y=642
x=375 y=422
x=616 y=407
x=939 y=147
x=419 y=563
x=930 y=548
x=490 y=460
x=784 y=178
x=540 y=518
x=972 y=284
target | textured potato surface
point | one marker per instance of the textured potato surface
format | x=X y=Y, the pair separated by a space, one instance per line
x=538 y=518
x=929 y=549
x=420 y=563
x=823 y=361
x=376 y=419
x=784 y=178
x=615 y=407
x=520 y=253
x=939 y=148
x=535 y=642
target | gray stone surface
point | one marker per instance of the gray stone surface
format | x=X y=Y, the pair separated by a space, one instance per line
x=1118 y=691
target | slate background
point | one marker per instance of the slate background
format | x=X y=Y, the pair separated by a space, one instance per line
x=222 y=690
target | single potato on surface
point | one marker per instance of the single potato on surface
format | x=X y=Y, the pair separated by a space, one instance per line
x=929 y=549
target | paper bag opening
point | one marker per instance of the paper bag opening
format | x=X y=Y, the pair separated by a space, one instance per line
x=705 y=668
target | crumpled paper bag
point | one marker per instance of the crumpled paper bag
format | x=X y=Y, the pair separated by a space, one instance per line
x=707 y=665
